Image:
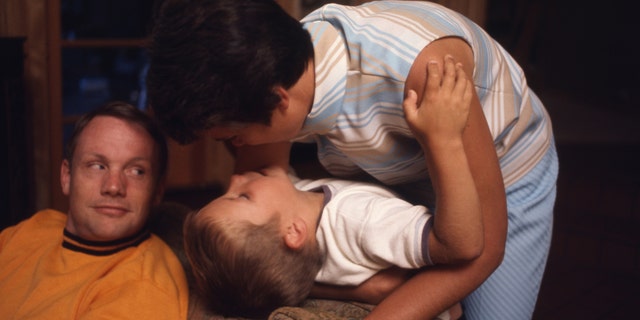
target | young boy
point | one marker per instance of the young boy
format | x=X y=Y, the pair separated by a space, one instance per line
x=266 y=241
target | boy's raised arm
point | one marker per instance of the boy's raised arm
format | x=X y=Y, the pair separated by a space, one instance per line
x=438 y=124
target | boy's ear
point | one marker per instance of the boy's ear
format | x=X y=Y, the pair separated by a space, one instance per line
x=284 y=97
x=296 y=234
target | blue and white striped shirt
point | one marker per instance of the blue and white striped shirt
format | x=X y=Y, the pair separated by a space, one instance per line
x=362 y=59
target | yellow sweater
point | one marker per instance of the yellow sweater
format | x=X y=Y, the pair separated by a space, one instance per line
x=48 y=274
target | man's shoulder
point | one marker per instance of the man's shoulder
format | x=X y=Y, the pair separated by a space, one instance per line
x=158 y=255
x=156 y=248
x=49 y=216
x=41 y=220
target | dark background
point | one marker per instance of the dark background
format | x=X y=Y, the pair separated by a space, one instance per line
x=581 y=59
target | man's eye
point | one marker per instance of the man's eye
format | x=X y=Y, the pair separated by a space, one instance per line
x=136 y=171
x=97 y=166
x=244 y=196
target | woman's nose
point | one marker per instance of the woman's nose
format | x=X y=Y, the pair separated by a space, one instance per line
x=237 y=141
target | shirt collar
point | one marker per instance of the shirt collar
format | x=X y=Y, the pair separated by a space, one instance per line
x=102 y=248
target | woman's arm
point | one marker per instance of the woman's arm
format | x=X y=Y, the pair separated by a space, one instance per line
x=372 y=291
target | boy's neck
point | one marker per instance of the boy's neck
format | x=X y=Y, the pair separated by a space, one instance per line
x=316 y=202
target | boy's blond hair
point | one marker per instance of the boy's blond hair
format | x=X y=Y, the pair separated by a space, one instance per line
x=243 y=269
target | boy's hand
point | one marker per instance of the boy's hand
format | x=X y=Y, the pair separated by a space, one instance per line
x=444 y=109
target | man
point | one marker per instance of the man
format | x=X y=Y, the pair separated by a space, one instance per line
x=98 y=260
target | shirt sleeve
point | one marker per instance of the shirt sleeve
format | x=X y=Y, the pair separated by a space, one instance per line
x=395 y=232
x=364 y=229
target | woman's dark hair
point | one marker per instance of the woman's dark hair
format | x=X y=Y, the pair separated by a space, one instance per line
x=218 y=61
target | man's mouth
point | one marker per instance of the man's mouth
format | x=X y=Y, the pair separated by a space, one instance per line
x=111 y=210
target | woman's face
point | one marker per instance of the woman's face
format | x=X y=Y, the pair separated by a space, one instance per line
x=287 y=118
x=253 y=133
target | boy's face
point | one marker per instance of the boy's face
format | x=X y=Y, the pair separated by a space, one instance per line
x=110 y=181
x=253 y=196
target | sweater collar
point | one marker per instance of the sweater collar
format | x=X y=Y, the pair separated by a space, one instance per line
x=102 y=248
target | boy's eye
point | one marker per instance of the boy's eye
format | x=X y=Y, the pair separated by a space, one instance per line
x=244 y=196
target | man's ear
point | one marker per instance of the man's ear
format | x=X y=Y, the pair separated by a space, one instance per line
x=285 y=99
x=159 y=192
x=296 y=234
x=65 y=177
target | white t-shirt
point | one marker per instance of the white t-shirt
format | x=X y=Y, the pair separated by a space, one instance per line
x=365 y=228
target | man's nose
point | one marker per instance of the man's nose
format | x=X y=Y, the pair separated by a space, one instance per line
x=114 y=183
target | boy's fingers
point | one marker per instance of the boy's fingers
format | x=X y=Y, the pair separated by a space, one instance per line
x=410 y=102
x=411 y=99
x=468 y=94
x=432 y=86
x=461 y=83
x=466 y=86
x=463 y=90
x=449 y=78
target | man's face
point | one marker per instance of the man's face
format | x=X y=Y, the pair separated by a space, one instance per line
x=255 y=197
x=110 y=181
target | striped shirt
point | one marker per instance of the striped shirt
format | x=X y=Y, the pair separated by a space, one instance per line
x=362 y=59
